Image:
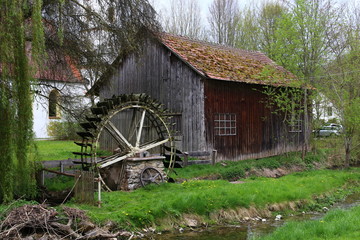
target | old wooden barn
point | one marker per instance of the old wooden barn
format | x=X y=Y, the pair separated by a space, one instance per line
x=215 y=94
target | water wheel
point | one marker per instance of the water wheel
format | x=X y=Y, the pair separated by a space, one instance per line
x=150 y=175
x=122 y=127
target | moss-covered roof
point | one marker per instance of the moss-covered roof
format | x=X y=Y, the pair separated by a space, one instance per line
x=226 y=63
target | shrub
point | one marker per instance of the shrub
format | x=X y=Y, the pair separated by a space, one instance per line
x=232 y=173
x=63 y=130
x=271 y=163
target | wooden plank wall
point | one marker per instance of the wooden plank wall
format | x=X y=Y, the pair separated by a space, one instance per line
x=160 y=74
x=259 y=132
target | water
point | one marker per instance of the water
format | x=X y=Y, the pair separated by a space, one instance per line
x=228 y=233
x=247 y=230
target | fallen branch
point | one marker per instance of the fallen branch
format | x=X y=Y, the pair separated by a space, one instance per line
x=66 y=229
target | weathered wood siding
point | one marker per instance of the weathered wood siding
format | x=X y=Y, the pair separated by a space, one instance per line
x=259 y=132
x=163 y=76
x=196 y=100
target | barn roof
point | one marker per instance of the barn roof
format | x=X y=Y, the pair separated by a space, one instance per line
x=227 y=63
x=214 y=61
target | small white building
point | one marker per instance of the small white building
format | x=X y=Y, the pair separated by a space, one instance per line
x=325 y=110
x=58 y=91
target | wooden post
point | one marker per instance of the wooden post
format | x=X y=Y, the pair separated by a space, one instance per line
x=186 y=158
x=42 y=177
x=213 y=159
x=61 y=167
x=99 y=191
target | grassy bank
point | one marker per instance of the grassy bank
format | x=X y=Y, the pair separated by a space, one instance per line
x=56 y=150
x=337 y=224
x=208 y=199
x=232 y=170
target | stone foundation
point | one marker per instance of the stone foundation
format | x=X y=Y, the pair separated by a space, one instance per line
x=125 y=175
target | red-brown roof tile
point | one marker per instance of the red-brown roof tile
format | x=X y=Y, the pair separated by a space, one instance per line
x=56 y=67
x=226 y=63
x=59 y=68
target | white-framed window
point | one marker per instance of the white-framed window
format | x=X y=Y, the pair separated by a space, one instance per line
x=225 y=124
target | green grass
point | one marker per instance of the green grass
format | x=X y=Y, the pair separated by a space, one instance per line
x=59 y=183
x=232 y=170
x=56 y=150
x=60 y=150
x=335 y=225
x=144 y=207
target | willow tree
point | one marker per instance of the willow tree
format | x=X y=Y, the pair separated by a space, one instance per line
x=15 y=93
x=92 y=33
x=95 y=33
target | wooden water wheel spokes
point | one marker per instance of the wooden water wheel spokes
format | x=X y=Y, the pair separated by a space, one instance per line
x=138 y=139
x=126 y=126
x=150 y=175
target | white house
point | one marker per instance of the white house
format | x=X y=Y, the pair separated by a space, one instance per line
x=59 y=89
x=325 y=110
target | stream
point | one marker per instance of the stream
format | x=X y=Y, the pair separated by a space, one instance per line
x=245 y=231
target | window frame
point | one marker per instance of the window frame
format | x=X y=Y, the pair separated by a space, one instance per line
x=225 y=124
x=53 y=107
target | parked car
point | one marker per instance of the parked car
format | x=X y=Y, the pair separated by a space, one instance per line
x=330 y=130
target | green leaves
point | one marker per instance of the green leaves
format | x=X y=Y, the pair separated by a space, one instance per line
x=15 y=95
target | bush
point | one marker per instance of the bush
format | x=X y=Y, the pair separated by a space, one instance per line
x=271 y=163
x=233 y=173
x=64 y=130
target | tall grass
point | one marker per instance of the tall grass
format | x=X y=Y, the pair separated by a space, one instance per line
x=337 y=224
x=145 y=206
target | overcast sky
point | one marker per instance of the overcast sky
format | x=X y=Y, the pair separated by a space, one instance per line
x=160 y=5
x=204 y=5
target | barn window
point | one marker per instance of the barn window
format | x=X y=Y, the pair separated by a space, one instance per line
x=54 y=111
x=225 y=124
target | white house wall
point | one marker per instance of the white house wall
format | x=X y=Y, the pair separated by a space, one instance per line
x=320 y=109
x=41 y=118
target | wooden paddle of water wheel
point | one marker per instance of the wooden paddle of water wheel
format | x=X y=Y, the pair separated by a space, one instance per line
x=135 y=133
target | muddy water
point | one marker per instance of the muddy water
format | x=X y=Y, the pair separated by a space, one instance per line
x=247 y=230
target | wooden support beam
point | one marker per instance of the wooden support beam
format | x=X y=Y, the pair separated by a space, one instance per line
x=59 y=173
